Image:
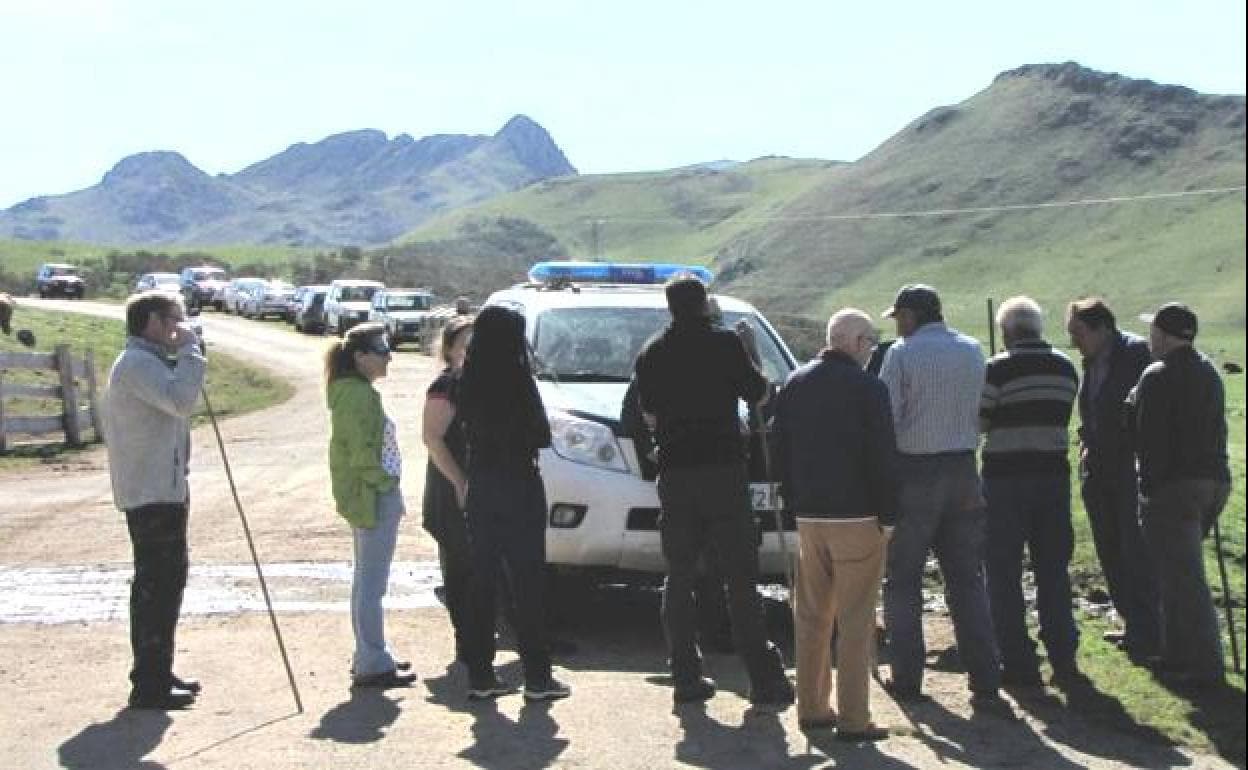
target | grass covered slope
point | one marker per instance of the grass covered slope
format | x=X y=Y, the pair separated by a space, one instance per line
x=685 y=214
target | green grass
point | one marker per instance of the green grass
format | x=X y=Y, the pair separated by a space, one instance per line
x=685 y=214
x=233 y=386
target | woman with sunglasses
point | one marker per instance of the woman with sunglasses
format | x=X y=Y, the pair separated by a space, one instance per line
x=365 y=468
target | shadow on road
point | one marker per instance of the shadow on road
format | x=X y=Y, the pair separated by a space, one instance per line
x=120 y=743
x=1219 y=713
x=1068 y=724
x=952 y=737
x=759 y=742
x=363 y=718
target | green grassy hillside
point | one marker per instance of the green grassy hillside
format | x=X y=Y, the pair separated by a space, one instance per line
x=681 y=214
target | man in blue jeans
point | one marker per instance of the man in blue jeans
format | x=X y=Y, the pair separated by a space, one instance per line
x=1029 y=394
x=935 y=378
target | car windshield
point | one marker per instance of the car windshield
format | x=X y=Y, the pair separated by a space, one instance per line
x=408 y=301
x=159 y=278
x=357 y=293
x=600 y=344
x=208 y=275
x=64 y=271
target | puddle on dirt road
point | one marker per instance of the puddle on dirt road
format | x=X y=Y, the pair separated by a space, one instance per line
x=94 y=593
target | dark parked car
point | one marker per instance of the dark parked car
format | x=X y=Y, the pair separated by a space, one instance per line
x=204 y=285
x=310 y=313
x=59 y=280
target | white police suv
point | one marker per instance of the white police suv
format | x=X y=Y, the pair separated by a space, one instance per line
x=586 y=323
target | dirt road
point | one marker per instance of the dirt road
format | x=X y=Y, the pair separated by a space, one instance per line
x=64 y=559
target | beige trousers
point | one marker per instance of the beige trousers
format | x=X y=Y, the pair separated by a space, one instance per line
x=838 y=585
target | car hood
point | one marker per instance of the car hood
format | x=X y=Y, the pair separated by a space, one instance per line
x=65 y=279
x=353 y=305
x=602 y=400
x=212 y=283
x=408 y=315
x=599 y=399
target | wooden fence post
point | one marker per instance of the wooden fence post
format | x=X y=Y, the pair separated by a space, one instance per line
x=88 y=363
x=3 y=446
x=69 y=394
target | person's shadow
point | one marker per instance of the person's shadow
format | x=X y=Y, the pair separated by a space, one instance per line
x=1085 y=704
x=1218 y=712
x=952 y=737
x=759 y=742
x=363 y=718
x=119 y=743
x=497 y=741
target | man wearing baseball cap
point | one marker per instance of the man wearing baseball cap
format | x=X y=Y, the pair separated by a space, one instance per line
x=935 y=377
x=1180 y=420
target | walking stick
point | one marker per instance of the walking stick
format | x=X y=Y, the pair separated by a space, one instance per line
x=251 y=545
x=1226 y=596
x=756 y=415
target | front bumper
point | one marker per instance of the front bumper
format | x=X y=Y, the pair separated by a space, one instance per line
x=619 y=530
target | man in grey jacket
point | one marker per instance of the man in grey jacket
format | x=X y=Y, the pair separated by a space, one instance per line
x=152 y=390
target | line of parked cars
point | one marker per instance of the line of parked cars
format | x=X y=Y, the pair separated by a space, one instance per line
x=314 y=309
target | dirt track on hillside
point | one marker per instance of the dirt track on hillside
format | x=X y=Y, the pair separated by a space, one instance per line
x=64 y=684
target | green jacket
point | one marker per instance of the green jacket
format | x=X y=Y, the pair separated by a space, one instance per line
x=355 y=472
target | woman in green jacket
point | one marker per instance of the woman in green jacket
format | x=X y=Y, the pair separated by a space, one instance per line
x=365 y=468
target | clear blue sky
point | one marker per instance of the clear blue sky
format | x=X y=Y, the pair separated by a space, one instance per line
x=622 y=86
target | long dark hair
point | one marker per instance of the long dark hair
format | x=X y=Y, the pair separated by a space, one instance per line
x=498 y=396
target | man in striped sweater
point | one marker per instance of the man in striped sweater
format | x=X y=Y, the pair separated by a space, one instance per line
x=1029 y=394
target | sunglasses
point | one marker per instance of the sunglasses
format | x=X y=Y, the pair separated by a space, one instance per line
x=377 y=345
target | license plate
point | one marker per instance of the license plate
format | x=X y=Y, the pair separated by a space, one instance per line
x=765 y=496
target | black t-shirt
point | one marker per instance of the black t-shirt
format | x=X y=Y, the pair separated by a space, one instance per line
x=439 y=500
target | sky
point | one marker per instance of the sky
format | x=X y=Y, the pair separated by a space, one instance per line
x=620 y=86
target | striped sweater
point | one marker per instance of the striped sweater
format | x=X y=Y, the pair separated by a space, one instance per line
x=1029 y=393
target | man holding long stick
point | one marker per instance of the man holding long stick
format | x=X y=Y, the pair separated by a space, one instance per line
x=151 y=398
x=1184 y=483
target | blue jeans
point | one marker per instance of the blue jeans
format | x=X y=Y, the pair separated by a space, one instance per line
x=942 y=509
x=1031 y=511
x=373 y=553
x=1111 y=497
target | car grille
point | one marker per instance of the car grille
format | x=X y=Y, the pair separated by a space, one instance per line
x=643 y=519
x=647 y=520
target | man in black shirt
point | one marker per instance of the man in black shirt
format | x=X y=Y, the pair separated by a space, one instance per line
x=1184 y=483
x=690 y=378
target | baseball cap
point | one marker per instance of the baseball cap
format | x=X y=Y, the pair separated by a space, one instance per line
x=918 y=297
x=1175 y=319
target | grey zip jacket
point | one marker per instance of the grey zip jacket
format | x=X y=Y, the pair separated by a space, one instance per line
x=146 y=422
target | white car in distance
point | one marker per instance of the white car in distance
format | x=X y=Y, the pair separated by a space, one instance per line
x=349 y=302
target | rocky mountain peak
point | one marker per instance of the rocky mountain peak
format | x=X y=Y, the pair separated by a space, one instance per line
x=534 y=147
x=1083 y=80
x=151 y=167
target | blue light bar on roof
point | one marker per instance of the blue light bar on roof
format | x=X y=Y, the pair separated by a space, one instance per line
x=615 y=272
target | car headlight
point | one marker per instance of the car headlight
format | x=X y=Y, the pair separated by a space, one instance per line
x=585 y=441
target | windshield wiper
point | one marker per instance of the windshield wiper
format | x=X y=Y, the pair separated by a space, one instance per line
x=590 y=375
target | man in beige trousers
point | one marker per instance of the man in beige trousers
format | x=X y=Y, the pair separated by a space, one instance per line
x=835 y=450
